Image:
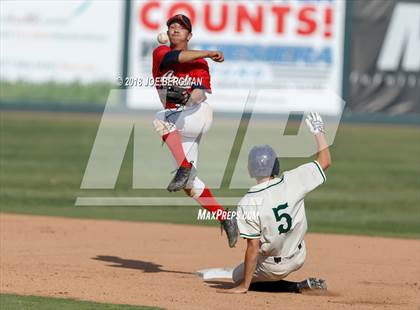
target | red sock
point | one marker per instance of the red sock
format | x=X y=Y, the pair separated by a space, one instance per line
x=208 y=202
x=174 y=143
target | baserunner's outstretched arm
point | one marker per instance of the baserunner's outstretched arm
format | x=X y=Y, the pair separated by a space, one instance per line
x=316 y=126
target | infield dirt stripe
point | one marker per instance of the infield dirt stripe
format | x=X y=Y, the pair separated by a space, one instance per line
x=154 y=264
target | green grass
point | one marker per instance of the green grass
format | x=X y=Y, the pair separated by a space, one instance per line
x=19 y=302
x=372 y=187
x=56 y=93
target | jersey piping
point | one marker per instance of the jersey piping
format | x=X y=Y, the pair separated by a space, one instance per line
x=320 y=170
x=263 y=189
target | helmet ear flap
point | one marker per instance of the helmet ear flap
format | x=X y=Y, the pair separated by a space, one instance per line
x=276 y=168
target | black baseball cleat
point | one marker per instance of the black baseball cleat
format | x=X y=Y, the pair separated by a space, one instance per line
x=230 y=226
x=312 y=284
x=183 y=174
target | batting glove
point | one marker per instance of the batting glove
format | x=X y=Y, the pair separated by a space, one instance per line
x=315 y=123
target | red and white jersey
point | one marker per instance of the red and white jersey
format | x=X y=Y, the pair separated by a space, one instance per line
x=194 y=74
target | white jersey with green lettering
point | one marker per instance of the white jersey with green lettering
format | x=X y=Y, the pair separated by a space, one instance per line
x=280 y=223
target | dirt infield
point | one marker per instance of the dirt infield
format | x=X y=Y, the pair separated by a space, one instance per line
x=155 y=264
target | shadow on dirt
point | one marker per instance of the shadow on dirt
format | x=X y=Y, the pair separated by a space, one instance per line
x=270 y=287
x=135 y=264
x=220 y=284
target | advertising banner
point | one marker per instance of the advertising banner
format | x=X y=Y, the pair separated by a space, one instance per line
x=385 y=70
x=295 y=46
x=61 y=41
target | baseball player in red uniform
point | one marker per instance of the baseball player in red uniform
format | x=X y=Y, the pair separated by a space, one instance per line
x=183 y=79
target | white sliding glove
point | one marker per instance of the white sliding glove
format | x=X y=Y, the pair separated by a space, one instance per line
x=315 y=123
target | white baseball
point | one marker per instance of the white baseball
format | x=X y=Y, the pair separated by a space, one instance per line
x=162 y=38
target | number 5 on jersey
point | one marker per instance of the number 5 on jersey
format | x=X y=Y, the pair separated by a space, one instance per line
x=282 y=228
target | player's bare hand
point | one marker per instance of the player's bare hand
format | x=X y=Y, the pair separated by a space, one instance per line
x=235 y=290
x=216 y=56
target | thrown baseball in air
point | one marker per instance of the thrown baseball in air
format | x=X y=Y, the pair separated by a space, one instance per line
x=162 y=38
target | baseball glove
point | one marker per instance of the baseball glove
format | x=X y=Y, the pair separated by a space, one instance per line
x=177 y=95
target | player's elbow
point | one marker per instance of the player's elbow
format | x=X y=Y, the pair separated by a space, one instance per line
x=324 y=159
x=325 y=163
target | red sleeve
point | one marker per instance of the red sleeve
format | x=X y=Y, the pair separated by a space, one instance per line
x=202 y=72
x=158 y=55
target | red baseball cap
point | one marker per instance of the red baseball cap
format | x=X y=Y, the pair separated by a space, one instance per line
x=182 y=19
